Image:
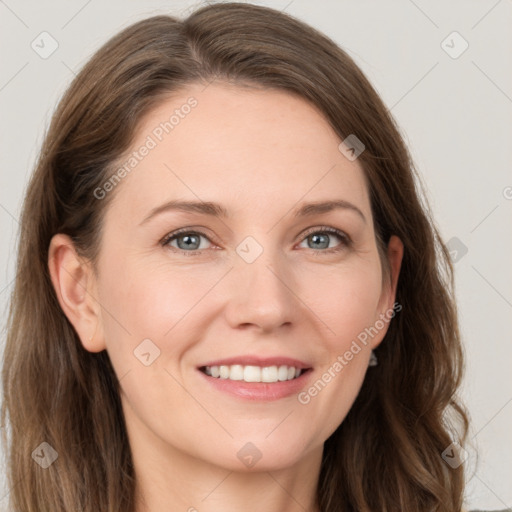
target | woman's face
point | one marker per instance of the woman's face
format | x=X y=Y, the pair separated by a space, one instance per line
x=256 y=279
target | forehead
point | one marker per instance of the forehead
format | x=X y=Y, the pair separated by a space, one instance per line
x=248 y=148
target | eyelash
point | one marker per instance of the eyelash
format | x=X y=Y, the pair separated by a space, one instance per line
x=346 y=242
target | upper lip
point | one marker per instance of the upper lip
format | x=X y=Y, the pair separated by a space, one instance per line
x=253 y=360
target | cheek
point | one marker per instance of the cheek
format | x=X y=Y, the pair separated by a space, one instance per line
x=348 y=309
x=150 y=299
x=345 y=300
x=348 y=305
x=140 y=302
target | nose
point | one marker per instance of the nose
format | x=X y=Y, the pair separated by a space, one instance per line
x=261 y=295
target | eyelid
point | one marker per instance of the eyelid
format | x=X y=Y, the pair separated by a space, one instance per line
x=328 y=229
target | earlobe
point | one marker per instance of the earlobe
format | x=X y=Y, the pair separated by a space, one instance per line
x=74 y=284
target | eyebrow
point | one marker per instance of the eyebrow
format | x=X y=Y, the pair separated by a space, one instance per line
x=216 y=210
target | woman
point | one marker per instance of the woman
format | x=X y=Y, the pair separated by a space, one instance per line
x=179 y=336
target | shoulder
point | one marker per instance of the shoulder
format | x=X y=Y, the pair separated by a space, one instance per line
x=503 y=510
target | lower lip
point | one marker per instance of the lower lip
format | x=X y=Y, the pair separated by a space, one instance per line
x=262 y=391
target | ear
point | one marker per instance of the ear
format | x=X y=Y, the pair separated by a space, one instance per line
x=75 y=287
x=395 y=252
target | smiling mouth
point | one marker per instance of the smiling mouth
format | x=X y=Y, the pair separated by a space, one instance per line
x=250 y=373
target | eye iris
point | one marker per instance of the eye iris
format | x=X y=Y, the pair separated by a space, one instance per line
x=317 y=238
x=188 y=243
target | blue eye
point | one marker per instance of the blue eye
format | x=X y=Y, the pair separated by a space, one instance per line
x=321 y=237
x=189 y=241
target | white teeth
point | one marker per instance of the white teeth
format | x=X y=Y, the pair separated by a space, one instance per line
x=282 y=373
x=253 y=373
x=236 y=372
x=269 y=374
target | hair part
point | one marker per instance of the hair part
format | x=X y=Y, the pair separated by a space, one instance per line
x=386 y=454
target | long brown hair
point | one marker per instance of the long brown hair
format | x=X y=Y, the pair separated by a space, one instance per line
x=386 y=454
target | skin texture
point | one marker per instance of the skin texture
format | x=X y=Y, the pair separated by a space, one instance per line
x=261 y=154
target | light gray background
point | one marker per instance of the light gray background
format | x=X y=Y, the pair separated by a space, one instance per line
x=455 y=114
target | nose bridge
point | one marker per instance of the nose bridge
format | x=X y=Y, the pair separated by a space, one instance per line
x=260 y=292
